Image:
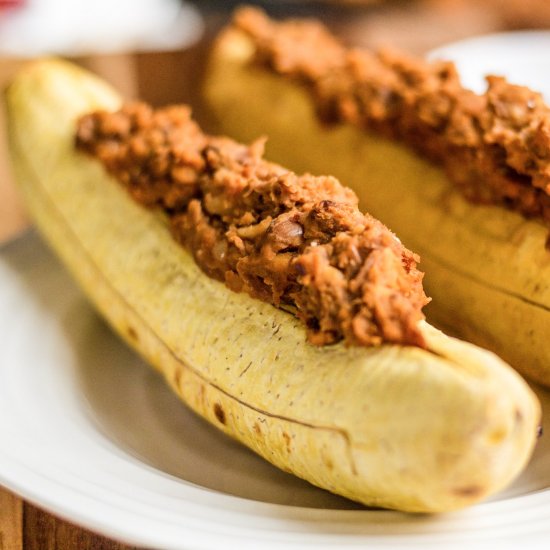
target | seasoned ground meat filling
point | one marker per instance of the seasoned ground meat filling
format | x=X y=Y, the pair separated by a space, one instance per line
x=299 y=242
x=495 y=147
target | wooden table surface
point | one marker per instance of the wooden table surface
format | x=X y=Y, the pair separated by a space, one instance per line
x=175 y=77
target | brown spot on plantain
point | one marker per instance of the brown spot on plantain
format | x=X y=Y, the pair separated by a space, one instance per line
x=257 y=428
x=132 y=334
x=288 y=441
x=177 y=378
x=468 y=491
x=219 y=413
x=328 y=462
x=498 y=435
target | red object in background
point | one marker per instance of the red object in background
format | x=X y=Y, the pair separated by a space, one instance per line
x=11 y=3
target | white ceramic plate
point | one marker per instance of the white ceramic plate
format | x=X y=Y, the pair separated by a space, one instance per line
x=91 y=433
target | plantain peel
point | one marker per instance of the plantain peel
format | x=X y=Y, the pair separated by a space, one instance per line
x=399 y=427
x=487 y=269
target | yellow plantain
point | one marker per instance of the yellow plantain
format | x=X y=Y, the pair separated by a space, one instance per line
x=487 y=268
x=400 y=427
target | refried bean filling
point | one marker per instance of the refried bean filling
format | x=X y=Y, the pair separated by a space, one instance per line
x=298 y=242
x=494 y=147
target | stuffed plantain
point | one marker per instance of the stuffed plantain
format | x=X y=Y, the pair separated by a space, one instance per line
x=401 y=130
x=427 y=428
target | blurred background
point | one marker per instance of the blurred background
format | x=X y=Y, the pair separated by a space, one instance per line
x=157 y=49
